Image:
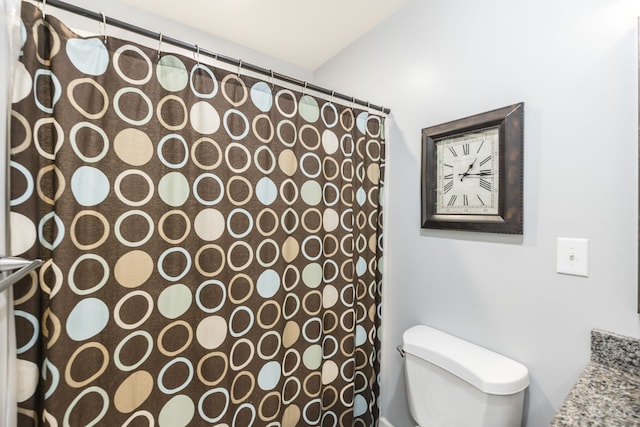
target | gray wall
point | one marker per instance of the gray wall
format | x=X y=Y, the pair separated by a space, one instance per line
x=574 y=64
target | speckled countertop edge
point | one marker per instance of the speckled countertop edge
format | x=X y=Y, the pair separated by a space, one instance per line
x=607 y=393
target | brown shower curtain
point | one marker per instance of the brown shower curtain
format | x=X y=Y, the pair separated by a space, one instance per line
x=212 y=242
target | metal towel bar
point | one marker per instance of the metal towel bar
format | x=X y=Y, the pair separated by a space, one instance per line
x=23 y=266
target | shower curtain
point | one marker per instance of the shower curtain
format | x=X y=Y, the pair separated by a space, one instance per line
x=212 y=242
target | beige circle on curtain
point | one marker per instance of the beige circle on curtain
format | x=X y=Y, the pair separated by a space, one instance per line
x=248 y=186
x=59 y=139
x=85 y=80
x=288 y=162
x=184 y=109
x=318 y=141
x=308 y=386
x=275 y=408
x=290 y=334
x=27 y=134
x=53 y=49
x=57 y=272
x=274 y=216
x=166 y=329
x=223 y=372
x=254 y=127
x=133 y=147
x=100 y=241
x=33 y=287
x=290 y=249
x=347 y=119
x=199 y=254
x=133 y=391
x=276 y=318
x=200 y=164
x=252 y=381
x=133 y=268
x=224 y=83
x=52 y=337
x=162 y=232
x=325 y=168
x=291 y=416
x=60 y=181
x=105 y=363
x=333 y=322
x=240 y=300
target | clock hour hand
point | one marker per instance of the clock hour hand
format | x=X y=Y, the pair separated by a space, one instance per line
x=482 y=173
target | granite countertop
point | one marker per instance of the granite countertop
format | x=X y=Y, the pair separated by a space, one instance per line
x=607 y=392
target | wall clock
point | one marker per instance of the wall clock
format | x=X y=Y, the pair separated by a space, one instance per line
x=472 y=172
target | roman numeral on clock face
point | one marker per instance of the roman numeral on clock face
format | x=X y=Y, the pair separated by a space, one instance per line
x=485 y=184
x=452 y=200
x=485 y=160
x=453 y=151
x=465 y=200
x=448 y=186
x=465 y=149
x=481 y=202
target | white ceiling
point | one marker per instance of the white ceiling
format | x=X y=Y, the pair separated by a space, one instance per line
x=302 y=32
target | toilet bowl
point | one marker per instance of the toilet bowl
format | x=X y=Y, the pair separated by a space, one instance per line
x=454 y=383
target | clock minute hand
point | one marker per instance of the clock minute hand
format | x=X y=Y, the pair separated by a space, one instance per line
x=485 y=173
x=468 y=169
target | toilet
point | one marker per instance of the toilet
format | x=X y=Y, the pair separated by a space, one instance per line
x=454 y=383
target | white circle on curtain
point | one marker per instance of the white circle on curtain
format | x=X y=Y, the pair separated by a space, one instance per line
x=86 y=95
x=145 y=98
x=213 y=92
x=127 y=242
x=347 y=119
x=228 y=157
x=90 y=186
x=225 y=393
x=347 y=145
x=235 y=312
x=59 y=137
x=173 y=189
x=256 y=159
x=309 y=109
x=327 y=414
x=105 y=406
x=87 y=319
x=74 y=142
x=273 y=253
x=315 y=131
x=261 y=96
x=334 y=345
x=326 y=196
x=287 y=306
x=163 y=122
x=373 y=155
x=311 y=193
x=251 y=409
x=204 y=118
x=209 y=224
x=291 y=98
x=36 y=330
x=167 y=163
x=240 y=83
x=223 y=299
x=309 y=408
x=312 y=275
x=26 y=142
x=97 y=286
x=276 y=350
x=116 y=355
x=307 y=253
x=57 y=90
x=266 y=190
x=166 y=367
x=305 y=169
x=230 y=131
x=116 y=64
x=268 y=283
x=361 y=121
x=60 y=230
x=307 y=336
x=138 y=414
x=290 y=220
x=347 y=215
x=174 y=301
x=196 y=193
x=269 y=375
x=117 y=310
x=247 y=215
x=281 y=136
x=183 y=273
x=324 y=116
x=118 y=190
x=333 y=277
x=29 y=187
x=21 y=83
x=287 y=400
x=256 y=129
x=378 y=126
x=330 y=220
x=172 y=73
x=293 y=283
x=211 y=332
x=197 y=161
x=53 y=40
x=177 y=412
x=89 y=56
x=330 y=142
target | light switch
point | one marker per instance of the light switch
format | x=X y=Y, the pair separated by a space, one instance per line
x=573 y=256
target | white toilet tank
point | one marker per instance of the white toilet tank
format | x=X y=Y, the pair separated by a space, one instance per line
x=454 y=383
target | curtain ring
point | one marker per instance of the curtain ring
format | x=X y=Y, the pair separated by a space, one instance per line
x=304 y=90
x=42 y=7
x=273 y=81
x=239 y=67
x=159 y=46
x=104 y=27
x=333 y=92
x=198 y=54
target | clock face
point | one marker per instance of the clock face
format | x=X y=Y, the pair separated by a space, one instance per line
x=467 y=173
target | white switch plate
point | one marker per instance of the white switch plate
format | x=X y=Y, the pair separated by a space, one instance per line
x=573 y=256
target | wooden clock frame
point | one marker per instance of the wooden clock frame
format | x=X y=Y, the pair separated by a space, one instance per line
x=510 y=123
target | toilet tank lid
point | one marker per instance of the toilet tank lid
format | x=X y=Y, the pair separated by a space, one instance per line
x=490 y=372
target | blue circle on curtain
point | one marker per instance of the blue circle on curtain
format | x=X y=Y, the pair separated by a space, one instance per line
x=60 y=232
x=213 y=92
x=225 y=120
x=361 y=335
x=361 y=267
x=223 y=411
x=197 y=195
x=187 y=267
x=57 y=90
x=166 y=367
x=261 y=96
x=266 y=191
x=184 y=145
x=28 y=178
x=173 y=189
x=269 y=375
x=308 y=108
x=36 y=330
x=90 y=186
x=361 y=121
x=268 y=283
x=361 y=196
x=87 y=319
x=55 y=377
x=360 y=406
x=89 y=56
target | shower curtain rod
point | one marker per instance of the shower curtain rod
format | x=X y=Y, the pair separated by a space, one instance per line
x=195 y=48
